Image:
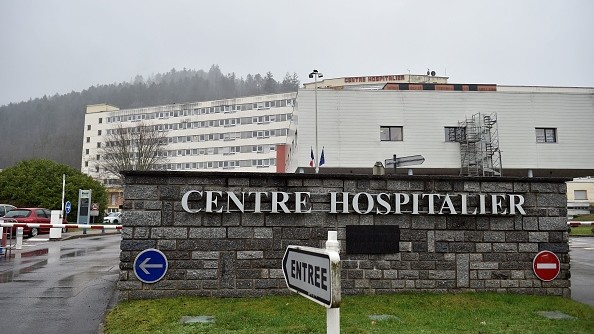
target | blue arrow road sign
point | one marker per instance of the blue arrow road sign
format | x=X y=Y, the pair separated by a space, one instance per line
x=150 y=265
x=68 y=207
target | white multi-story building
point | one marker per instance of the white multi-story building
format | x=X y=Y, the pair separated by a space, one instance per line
x=225 y=135
x=580 y=196
x=466 y=129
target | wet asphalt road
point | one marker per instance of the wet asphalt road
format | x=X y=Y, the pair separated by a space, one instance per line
x=58 y=286
x=582 y=269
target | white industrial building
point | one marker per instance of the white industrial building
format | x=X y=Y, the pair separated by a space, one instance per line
x=458 y=128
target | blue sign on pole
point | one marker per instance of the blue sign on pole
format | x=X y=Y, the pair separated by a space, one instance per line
x=150 y=265
x=68 y=207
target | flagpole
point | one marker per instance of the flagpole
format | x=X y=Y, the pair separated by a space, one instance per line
x=315 y=74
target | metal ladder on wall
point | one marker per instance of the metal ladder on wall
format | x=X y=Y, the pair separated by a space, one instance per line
x=479 y=146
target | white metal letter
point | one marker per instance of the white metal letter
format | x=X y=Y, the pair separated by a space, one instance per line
x=302 y=202
x=334 y=201
x=282 y=203
x=383 y=203
x=184 y=201
x=211 y=201
x=231 y=196
x=431 y=202
x=258 y=200
x=370 y=203
x=401 y=199
x=496 y=204
x=448 y=201
x=513 y=205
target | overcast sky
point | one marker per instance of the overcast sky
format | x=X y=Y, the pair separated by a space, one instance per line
x=57 y=46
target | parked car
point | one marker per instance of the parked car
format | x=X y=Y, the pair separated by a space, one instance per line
x=4 y=208
x=113 y=218
x=30 y=216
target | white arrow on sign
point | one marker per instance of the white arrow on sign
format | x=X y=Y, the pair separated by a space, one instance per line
x=145 y=265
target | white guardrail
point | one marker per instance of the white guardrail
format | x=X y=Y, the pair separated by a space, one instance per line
x=574 y=223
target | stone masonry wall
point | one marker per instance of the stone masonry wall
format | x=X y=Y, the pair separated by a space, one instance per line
x=239 y=254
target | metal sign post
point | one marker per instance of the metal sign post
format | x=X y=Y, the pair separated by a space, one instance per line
x=314 y=273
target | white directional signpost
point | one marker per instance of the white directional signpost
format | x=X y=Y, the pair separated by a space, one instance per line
x=404 y=161
x=315 y=274
x=150 y=265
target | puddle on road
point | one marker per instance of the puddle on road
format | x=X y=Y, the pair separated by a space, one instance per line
x=10 y=276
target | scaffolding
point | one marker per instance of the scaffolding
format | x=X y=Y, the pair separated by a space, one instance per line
x=479 y=146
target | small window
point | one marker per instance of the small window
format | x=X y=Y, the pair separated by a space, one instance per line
x=391 y=133
x=87 y=151
x=99 y=145
x=580 y=195
x=100 y=120
x=546 y=135
x=89 y=127
x=88 y=139
x=455 y=134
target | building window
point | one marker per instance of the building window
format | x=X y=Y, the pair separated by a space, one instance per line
x=390 y=133
x=98 y=157
x=89 y=127
x=546 y=135
x=455 y=134
x=98 y=132
x=87 y=151
x=99 y=145
x=86 y=164
x=88 y=139
x=580 y=195
x=100 y=120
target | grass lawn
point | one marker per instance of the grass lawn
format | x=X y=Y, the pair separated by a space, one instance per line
x=406 y=313
x=584 y=218
x=581 y=230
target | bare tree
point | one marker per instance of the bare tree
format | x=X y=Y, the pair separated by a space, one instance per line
x=142 y=147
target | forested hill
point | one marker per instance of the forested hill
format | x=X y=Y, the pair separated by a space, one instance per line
x=52 y=127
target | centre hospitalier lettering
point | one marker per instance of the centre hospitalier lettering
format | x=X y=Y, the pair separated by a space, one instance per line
x=195 y=201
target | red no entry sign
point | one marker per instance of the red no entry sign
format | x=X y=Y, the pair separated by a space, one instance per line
x=546 y=266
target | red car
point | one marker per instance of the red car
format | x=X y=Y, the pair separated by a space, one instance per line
x=30 y=216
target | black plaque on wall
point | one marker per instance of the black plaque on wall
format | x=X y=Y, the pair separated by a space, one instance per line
x=372 y=239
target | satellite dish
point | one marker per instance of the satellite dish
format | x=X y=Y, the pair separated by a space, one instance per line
x=432 y=73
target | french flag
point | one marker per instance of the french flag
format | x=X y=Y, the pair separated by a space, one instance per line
x=322 y=160
x=312 y=161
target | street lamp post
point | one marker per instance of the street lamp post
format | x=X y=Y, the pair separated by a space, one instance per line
x=315 y=75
